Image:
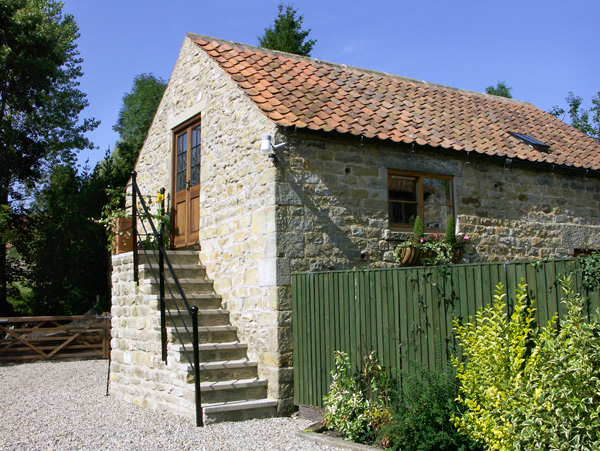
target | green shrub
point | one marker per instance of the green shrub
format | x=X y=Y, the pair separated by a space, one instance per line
x=527 y=390
x=590 y=270
x=563 y=385
x=450 y=238
x=493 y=376
x=418 y=229
x=357 y=404
x=421 y=416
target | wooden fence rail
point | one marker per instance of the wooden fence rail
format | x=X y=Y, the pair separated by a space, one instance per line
x=54 y=337
x=405 y=314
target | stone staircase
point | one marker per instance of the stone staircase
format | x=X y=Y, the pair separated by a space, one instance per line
x=230 y=387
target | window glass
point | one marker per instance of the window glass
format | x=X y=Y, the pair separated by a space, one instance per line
x=195 y=154
x=436 y=191
x=181 y=162
x=412 y=194
x=436 y=216
x=403 y=196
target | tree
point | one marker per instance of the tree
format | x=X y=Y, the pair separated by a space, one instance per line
x=499 y=90
x=64 y=251
x=286 y=33
x=138 y=110
x=135 y=118
x=40 y=101
x=588 y=121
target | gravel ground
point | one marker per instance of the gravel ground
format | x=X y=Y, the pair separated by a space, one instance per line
x=62 y=406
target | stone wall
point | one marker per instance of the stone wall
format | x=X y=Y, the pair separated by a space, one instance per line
x=332 y=205
x=137 y=373
x=237 y=205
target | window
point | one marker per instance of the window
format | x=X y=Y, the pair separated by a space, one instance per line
x=412 y=194
x=187 y=165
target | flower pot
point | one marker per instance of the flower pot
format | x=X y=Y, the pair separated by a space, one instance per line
x=410 y=256
x=123 y=232
x=457 y=255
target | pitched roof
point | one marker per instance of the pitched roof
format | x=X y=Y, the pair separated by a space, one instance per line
x=293 y=90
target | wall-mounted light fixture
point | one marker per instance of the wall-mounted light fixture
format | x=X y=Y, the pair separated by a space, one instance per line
x=267 y=146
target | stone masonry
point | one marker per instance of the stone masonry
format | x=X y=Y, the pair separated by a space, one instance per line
x=332 y=205
x=138 y=374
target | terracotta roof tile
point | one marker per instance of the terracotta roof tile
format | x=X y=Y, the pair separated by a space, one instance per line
x=309 y=93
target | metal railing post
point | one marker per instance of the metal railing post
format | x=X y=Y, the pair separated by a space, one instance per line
x=163 y=320
x=199 y=419
x=134 y=226
x=162 y=209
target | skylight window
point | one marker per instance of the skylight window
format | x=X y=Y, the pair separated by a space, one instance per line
x=531 y=141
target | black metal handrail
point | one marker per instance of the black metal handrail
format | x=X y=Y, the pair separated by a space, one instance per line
x=158 y=254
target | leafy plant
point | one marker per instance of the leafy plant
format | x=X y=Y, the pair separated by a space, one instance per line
x=527 y=390
x=590 y=270
x=495 y=351
x=114 y=209
x=563 y=386
x=450 y=238
x=357 y=404
x=437 y=249
x=421 y=415
x=418 y=229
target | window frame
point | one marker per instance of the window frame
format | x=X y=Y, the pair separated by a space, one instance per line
x=420 y=198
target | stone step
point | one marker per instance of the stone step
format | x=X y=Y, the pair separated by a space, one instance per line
x=239 y=410
x=191 y=286
x=191 y=257
x=233 y=390
x=206 y=317
x=206 y=301
x=223 y=370
x=206 y=334
x=182 y=271
x=214 y=352
x=229 y=383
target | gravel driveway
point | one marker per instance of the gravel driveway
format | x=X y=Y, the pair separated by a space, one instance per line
x=62 y=406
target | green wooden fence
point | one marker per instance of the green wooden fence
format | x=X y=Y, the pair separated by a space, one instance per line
x=405 y=314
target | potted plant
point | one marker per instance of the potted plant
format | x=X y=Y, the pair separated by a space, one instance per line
x=117 y=223
x=411 y=252
x=431 y=249
x=456 y=245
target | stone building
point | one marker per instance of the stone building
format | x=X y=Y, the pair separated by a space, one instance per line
x=355 y=156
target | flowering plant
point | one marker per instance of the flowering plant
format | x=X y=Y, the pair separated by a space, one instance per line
x=115 y=209
x=434 y=248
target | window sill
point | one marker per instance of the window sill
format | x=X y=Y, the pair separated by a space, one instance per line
x=396 y=235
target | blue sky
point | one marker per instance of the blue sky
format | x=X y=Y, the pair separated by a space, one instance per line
x=541 y=48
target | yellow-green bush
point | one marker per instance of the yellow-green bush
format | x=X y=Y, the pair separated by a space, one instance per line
x=521 y=389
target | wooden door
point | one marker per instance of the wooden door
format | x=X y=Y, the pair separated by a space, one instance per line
x=186 y=180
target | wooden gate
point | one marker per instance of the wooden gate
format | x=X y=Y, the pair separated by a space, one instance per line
x=54 y=337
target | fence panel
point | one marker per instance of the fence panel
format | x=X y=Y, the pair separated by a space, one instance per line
x=54 y=337
x=405 y=314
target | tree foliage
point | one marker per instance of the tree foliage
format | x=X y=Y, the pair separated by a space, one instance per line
x=40 y=101
x=63 y=249
x=286 y=33
x=499 y=90
x=588 y=121
x=138 y=110
x=135 y=118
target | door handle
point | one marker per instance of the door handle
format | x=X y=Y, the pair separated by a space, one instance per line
x=188 y=185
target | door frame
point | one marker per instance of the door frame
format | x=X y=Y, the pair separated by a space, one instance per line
x=190 y=122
